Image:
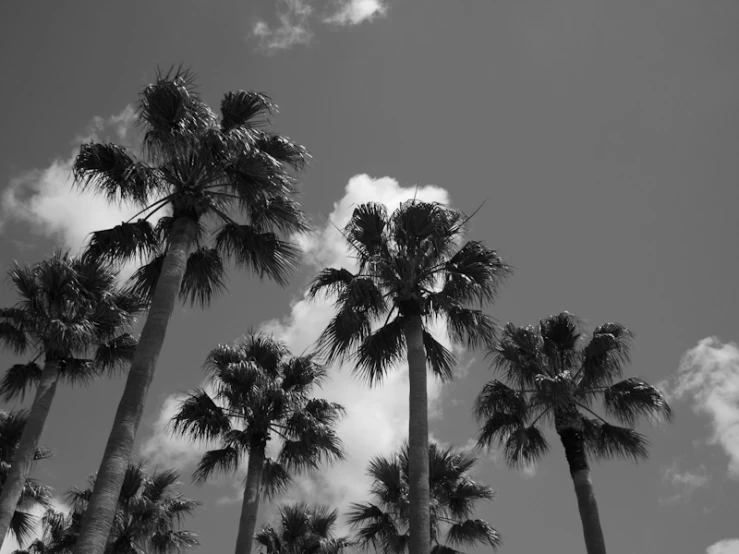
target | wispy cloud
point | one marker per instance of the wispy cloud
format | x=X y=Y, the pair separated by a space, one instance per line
x=726 y=546
x=354 y=12
x=295 y=20
x=45 y=201
x=292 y=29
x=682 y=482
x=709 y=377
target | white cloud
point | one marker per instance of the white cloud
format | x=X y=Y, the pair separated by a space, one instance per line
x=709 y=376
x=684 y=482
x=726 y=546
x=354 y=12
x=293 y=28
x=46 y=201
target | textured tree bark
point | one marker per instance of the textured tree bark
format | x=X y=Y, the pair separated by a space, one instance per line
x=419 y=541
x=23 y=459
x=250 y=506
x=574 y=446
x=98 y=519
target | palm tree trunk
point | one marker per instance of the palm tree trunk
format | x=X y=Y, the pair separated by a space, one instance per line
x=98 y=518
x=250 y=505
x=574 y=445
x=419 y=541
x=23 y=459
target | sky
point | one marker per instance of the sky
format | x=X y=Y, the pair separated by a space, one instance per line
x=602 y=138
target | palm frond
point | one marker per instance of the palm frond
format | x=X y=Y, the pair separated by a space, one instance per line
x=144 y=280
x=473 y=532
x=517 y=356
x=275 y=479
x=200 y=418
x=606 y=441
x=159 y=484
x=241 y=108
x=113 y=172
x=474 y=273
x=330 y=281
x=525 y=445
x=301 y=373
x=630 y=399
x=365 y=231
x=223 y=460
x=347 y=330
x=472 y=328
x=496 y=397
x=264 y=253
x=278 y=212
x=22 y=526
x=604 y=355
x=560 y=336
x=173 y=541
x=116 y=353
x=204 y=277
x=12 y=336
x=18 y=379
x=123 y=242
x=381 y=350
x=313 y=446
x=439 y=358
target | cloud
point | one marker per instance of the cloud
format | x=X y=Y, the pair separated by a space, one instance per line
x=726 y=546
x=354 y=12
x=684 y=482
x=45 y=201
x=293 y=28
x=295 y=19
x=709 y=377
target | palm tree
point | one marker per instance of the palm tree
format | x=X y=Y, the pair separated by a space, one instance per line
x=70 y=312
x=411 y=272
x=260 y=393
x=34 y=494
x=303 y=529
x=454 y=496
x=148 y=518
x=211 y=173
x=555 y=376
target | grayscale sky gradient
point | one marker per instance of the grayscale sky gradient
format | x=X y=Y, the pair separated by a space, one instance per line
x=602 y=136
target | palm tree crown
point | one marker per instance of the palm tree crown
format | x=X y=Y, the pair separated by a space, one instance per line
x=410 y=263
x=261 y=393
x=208 y=170
x=34 y=494
x=454 y=497
x=302 y=529
x=555 y=376
x=71 y=312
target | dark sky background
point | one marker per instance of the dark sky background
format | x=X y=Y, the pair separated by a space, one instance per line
x=602 y=136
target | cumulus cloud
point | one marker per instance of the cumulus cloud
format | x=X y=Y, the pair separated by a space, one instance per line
x=354 y=12
x=726 y=546
x=45 y=201
x=293 y=28
x=709 y=377
x=377 y=418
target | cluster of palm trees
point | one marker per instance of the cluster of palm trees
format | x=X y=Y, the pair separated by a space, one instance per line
x=220 y=189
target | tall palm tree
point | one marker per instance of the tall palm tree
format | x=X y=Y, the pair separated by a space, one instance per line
x=34 y=494
x=149 y=517
x=413 y=268
x=228 y=184
x=555 y=376
x=260 y=393
x=71 y=312
x=454 y=496
x=303 y=529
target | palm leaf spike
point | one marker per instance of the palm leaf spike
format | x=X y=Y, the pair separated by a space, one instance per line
x=552 y=375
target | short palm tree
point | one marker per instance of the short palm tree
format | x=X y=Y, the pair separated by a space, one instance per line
x=34 y=494
x=71 y=313
x=454 y=495
x=260 y=393
x=553 y=375
x=148 y=520
x=302 y=529
x=228 y=184
x=413 y=268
